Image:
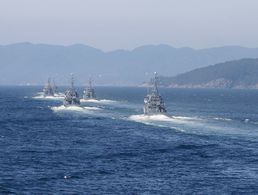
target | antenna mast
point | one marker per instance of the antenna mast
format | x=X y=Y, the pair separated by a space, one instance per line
x=72 y=81
x=155 y=83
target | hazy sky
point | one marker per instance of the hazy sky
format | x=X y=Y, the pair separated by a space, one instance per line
x=113 y=24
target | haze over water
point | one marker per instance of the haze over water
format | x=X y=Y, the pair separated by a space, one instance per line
x=115 y=24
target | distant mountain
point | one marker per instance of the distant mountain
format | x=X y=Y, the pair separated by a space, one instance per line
x=23 y=63
x=233 y=74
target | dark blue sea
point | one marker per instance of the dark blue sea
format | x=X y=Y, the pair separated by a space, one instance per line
x=208 y=143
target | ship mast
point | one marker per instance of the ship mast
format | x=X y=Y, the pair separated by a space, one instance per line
x=54 y=85
x=72 y=81
x=155 y=84
x=90 y=83
x=49 y=82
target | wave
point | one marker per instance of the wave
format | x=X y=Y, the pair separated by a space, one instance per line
x=222 y=119
x=73 y=108
x=57 y=96
x=161 y=120
x=91 y=108
x=142 y=117
x=103 y=101
x=192 y=124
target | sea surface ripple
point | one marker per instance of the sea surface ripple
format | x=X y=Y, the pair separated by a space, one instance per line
x=207 y=144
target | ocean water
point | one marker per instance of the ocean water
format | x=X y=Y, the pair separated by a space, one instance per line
x=207 y=144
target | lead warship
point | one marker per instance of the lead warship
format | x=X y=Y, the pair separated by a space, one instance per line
x=71 y=96
x=48 y=90
x=153 y=102
x=89 y=92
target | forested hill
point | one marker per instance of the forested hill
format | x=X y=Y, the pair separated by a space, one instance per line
x=233 y=74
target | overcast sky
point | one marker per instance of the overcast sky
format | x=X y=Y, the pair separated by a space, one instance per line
x=126 y=24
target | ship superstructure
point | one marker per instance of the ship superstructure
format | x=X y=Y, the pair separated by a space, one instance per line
x=48 y=89
x=153 y=102
x=89 y=92
x=71 y=95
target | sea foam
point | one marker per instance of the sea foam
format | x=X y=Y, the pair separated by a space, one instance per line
x=57 y=96
x=162 y=118
x=103 y=101
x=73 y=108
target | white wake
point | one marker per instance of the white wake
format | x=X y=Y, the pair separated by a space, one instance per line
x=74 y=109
x=197 y=125
x=102 y=101
x=57 y=96
x=163 y=118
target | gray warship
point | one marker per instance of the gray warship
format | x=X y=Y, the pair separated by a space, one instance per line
x=71 y=96
x=89 y=92
x=153 y=102
x=49 y=89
